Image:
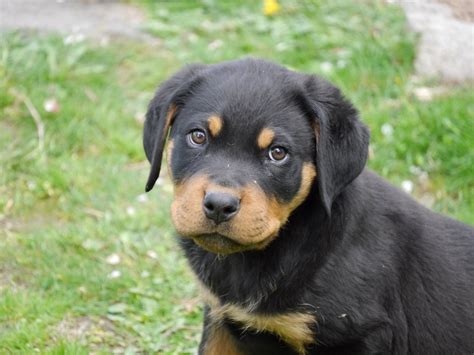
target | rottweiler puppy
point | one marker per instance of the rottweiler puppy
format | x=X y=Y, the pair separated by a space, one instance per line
x=299 y=249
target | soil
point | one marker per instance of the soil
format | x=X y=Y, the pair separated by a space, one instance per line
x=87 y=18
x=462 y=9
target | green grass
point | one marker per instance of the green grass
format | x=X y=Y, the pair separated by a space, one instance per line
x=67 y=207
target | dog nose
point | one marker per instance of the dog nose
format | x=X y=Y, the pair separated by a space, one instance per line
x=220 y=206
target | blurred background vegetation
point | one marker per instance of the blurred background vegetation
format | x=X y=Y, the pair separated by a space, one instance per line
x=88 y=263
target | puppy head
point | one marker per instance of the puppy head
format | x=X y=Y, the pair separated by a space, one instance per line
x=248 y=140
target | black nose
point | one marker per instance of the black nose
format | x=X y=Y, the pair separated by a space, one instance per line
x=220 y=206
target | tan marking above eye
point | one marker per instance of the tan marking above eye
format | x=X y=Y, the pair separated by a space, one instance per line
x=215 y=125
x=265 y=138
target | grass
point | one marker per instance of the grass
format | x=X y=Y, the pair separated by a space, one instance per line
x=73 y=208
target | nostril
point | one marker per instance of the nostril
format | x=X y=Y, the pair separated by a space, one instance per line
x=229 y=209
x=209 y=205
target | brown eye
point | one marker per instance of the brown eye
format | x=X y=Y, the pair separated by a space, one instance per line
x=197 y=137
x=278 y=154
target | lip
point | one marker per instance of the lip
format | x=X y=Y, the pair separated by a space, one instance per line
x=219 y=244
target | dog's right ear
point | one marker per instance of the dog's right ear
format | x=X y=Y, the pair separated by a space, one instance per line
x=163 y=108
x=342 y=140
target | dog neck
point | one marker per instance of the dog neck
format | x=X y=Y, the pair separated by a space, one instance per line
x=265 y=281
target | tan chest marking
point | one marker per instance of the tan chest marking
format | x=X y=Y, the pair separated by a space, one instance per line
x=293 y=327
x=220 y=342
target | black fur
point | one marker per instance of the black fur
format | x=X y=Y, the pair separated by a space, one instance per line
x=381 y=273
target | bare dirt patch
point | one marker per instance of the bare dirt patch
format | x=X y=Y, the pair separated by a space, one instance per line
x=462 y=9
x=102 y=19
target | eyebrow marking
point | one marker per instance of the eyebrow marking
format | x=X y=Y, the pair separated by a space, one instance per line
x=265 y=138
x=215 y=125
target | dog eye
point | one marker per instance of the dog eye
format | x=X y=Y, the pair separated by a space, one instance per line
x=197 y=137
x=278 y=154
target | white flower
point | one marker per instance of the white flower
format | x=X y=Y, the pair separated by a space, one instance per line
x=51 y=105
x=326 y=67
x=415 y=170
x=74 y=38
x=281 y=46
x=407 y=186
x=160 y=181
x=152 y=254
x=192 y=37
x=115 y=274
x=387 y=130
x=113 y=259
x=142 y=198
x=131 y=211
x=341 y=63
x=424 y=93
x=215 y=44
x=139 y=117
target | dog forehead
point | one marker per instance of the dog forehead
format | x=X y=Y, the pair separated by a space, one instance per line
x=245 y=101
x=249 y=91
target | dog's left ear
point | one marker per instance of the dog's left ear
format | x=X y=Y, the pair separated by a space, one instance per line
x=342 y=140
x=162 y=110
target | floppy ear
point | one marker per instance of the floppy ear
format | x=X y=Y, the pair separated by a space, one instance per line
x=162 y=110
x=342 y=140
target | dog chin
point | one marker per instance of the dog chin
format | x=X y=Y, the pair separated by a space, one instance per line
x=219 y=244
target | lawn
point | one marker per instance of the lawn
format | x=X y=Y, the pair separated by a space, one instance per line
x=88 y=262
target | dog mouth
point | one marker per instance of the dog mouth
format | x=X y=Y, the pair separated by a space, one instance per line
x=256 y=223
x=220 y=244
